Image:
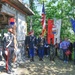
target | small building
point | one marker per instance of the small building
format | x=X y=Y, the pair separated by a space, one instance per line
x=16 y=9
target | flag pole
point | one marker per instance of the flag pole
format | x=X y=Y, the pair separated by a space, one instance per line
x=43 y=20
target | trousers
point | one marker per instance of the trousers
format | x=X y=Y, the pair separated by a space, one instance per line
x=10 y=57
x=31 y=52
x=41 y=52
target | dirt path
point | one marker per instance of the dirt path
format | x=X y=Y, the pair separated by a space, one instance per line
x=45 y=67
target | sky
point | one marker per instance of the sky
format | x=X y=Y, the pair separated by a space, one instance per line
x=39 y=7
x=26 y=1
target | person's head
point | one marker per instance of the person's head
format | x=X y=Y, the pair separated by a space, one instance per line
x=66 y=39
x=32 y=32
x=40 y=35
x=10 y=28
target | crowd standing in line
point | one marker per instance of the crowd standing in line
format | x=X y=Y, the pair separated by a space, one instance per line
x=63 y=50
x=38 y=46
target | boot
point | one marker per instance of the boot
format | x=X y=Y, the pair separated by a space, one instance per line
x=32 y=58
x=39 y=59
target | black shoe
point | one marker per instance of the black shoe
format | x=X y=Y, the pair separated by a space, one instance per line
x=32 y=59
x=40 y=59
x=9 y=72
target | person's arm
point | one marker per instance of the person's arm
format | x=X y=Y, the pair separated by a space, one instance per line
x=15 y=43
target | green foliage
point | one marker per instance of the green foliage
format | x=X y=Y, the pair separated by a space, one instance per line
x=41 y=1
x=36 y=23
x=59 y=9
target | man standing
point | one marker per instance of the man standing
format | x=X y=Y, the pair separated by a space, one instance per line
x=31 y=44
x=52 y=50
x=41 y=42
x=65 y=45
x=71 y=50
x=9 y=49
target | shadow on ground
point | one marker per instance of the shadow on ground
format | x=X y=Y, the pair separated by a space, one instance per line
x=47 y=67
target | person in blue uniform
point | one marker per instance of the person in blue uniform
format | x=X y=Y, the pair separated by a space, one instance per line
x=41 y=42
x=31 y=44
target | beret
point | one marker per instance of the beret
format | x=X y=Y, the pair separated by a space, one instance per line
x=31 y=32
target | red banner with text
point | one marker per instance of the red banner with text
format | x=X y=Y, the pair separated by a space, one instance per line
x=50 y=35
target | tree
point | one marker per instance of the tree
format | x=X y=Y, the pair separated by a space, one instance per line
x=61 y=9
x=34 y=21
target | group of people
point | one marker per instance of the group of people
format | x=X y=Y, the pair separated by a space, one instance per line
x=39 y=45
x=34 y=46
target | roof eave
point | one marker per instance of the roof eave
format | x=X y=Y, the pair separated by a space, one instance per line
x=20 y=6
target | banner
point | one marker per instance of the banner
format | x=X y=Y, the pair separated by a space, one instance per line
x=50 y=35
x=57 y=24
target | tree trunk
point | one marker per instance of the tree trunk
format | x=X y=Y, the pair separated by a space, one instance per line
x=31 y=23
x=31 y=6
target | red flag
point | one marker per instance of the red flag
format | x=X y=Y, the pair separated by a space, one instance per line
x=50 y=35
x=43 y=21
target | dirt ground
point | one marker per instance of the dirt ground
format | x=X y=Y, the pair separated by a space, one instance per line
x=45 y=67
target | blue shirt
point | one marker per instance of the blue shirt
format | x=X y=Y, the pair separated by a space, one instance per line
x=64 y=45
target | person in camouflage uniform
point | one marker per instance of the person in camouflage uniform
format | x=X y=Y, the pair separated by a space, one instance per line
x=52 y=50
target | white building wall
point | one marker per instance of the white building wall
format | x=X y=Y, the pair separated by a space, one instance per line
x=20 y=21
x=22 y=27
